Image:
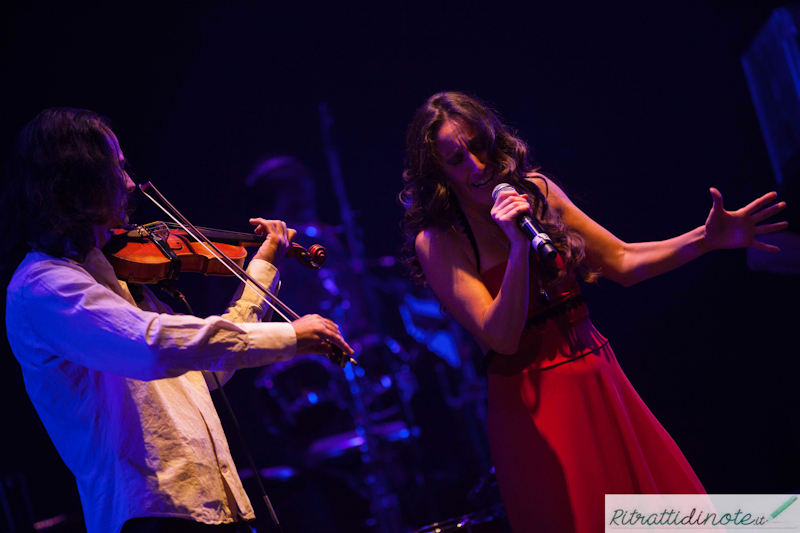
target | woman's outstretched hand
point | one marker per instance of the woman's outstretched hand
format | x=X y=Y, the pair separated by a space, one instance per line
x=738 y=229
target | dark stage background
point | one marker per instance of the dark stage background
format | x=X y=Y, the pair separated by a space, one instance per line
x=636 y=107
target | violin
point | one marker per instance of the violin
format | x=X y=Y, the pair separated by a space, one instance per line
x=235 y=267
x=159 y=251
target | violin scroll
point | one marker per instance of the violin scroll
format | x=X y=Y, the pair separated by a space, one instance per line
x=312 y=258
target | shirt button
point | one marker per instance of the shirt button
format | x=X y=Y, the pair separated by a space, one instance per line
x=224 y=469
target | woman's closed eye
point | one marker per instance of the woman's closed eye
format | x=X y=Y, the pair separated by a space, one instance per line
x=456 y=158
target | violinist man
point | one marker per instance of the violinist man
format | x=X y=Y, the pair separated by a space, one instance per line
x=120 y=383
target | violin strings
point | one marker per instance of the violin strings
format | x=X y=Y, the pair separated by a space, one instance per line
x=226 y=261
x=214 y=231
x=209 y=230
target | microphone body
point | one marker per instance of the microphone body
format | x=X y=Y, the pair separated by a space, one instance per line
x=540 y=240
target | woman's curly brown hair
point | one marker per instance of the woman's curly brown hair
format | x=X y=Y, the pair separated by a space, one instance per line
x=428 y=199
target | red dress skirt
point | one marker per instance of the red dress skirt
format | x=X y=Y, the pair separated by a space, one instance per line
x=565 y=425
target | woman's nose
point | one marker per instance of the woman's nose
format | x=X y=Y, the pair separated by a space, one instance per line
x=477 y=162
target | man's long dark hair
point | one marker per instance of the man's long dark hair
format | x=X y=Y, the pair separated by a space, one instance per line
x=427 y=197
x=64 y=178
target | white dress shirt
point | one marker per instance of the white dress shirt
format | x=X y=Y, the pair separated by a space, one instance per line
x=120 y=390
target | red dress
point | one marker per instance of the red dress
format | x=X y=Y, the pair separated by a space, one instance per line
x=565 y=425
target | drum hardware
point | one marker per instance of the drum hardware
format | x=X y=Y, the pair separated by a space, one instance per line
x=423 y=320
x=491 y=520
x=272 y=473
x=305 y=399
x=469 y=392
x=485 y=491
x=372 y=409
x=337 y=445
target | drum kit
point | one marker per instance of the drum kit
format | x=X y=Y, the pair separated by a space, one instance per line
x=383 y=431
x=395 y=441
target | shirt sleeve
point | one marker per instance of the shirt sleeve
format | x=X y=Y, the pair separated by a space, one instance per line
x=247 y=305
x=64 y=312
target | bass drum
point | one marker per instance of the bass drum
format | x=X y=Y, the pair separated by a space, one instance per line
x=491 y=520
x=304 y=399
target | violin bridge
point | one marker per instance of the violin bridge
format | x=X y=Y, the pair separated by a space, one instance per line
x=158 y=234
x=158 y=229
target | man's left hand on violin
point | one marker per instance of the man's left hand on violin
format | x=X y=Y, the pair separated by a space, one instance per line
x=278 y=239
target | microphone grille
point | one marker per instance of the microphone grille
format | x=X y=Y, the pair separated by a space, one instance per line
x=500 y=187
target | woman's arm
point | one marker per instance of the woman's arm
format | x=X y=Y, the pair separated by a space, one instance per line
x=630 y=263
x=496 y=323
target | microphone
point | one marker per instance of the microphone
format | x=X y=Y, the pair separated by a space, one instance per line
x=540 y=241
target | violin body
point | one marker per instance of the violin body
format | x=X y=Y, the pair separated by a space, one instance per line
x=139 y=257
x=153 y=252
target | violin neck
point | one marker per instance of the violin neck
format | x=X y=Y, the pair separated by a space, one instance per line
x=232 y=237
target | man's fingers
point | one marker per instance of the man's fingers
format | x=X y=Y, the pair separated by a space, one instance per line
x=334 y=336
x=340 y=342
x=313 y=330
x=259 y=222
x=331 y=326
x=326 y=346
x=276 y=227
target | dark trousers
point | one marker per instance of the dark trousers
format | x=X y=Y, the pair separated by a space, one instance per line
x=159 y=524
